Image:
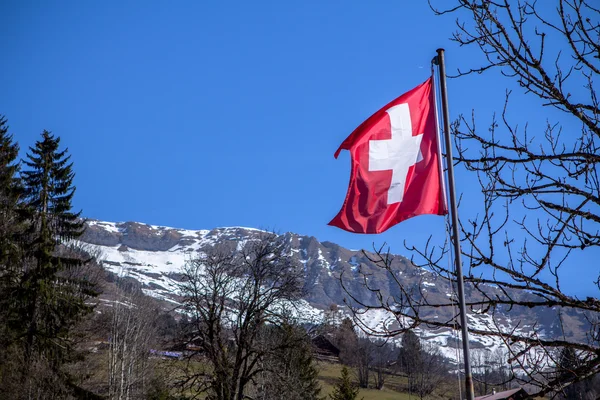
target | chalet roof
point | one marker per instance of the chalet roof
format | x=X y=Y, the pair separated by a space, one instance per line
x=513 y=394
x=324 y=346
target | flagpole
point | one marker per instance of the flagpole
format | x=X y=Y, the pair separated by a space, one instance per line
x=455 y=232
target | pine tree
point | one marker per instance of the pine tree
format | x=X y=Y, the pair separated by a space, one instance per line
x=411 y=353
x=289 y=370
x=9 y=167
x=568 y=363
x=52 y=300
x=10 y=223
x=411 y=359
x=308 y=376
x=344 y=389
x=11 y=226
x=43 y=287
x=296 y=362
x=49 y=191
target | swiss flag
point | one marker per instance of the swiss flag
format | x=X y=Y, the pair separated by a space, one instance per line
x=396 y=168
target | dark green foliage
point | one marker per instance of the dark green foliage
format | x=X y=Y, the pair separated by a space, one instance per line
x=568 y=363
x=410 y=356
x=9 y=197
x=44 y=279
x=10 y=221
x=52 y=299
x=9 y=167
x=49 y=190
x=10 y=254
x=344 y=389
x=289 y=369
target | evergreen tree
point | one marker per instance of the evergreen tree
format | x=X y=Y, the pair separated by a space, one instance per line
x=10 y=253
x=9 y=167
x=49 y=191
x=43 y=289
x=10 y=223
x=345 y=389
x=568 y=363
x=410 y=356
x=298 y=362
x=290 y=371
x=412 y=360
x=52 y=298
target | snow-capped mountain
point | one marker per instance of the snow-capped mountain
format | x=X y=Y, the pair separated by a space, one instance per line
x=155 y=255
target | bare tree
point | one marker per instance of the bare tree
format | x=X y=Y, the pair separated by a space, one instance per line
x=345 y=338
x=422 y=364
x=432 y=373
x=364 y=361
x=489 y=370
x=230 y=297
x=540 y=190
x=355 y=351
x=131 y=335
x=383 y=353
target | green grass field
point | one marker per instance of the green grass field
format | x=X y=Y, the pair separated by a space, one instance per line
x=329 y=374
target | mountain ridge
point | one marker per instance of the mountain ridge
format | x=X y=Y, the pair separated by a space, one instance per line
x=154 y=255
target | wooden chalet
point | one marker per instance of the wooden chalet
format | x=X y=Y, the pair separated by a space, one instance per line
x=513 y=394
x=324 y=349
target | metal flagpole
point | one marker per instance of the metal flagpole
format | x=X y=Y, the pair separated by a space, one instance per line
x=455 y=233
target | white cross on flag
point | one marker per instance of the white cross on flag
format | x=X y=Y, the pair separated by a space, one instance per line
x=396 y=170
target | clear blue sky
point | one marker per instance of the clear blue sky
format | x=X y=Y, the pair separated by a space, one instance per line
x=199 y=114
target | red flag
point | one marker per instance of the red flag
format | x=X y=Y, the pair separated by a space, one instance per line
x=396 y=170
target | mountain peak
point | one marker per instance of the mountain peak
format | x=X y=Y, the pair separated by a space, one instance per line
x=155 y=256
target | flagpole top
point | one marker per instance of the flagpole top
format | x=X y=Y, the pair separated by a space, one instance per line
x=436 y=59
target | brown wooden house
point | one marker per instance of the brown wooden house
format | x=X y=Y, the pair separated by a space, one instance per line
x=324 y=349
x=513 y=394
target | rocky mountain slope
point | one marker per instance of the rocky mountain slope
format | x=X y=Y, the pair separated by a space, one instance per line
x=155 y=255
